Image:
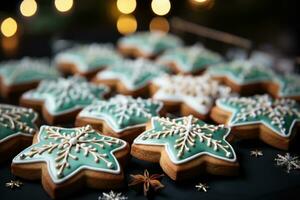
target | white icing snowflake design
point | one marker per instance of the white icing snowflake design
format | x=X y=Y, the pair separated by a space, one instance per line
x=279 y=115
x=68 y=151
x=134 y=74
x=187 y=137
x=123 y=112
x=198 y=93
x=89 y=57
x=66 y=95
x=16 y=120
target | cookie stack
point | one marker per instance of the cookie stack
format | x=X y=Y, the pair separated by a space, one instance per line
x=151 y=98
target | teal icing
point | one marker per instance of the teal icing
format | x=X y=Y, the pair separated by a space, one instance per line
x=134 y=74
x=65 y=95
x=123 y=112
x=242 y=72
x=27 y=70
x=289 y=85
x=187 y=138
x=191 y=59
x=89 y=57
x=16 y=120
x=279 y=115
x=151 y=42
x=67 y=151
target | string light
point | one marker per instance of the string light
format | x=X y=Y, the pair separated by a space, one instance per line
x=9 y=27
x=126 y=6
x=28 y=8
x=126 y=24
x=161 y=7
x=63 y=5
x=159 y=24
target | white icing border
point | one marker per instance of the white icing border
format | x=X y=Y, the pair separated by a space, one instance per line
x=33 y=121
x=82 y=167
x=234 y=111
x=110 y=121
x=140 y=141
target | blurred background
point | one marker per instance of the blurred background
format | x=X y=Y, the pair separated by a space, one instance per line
x=40 y=28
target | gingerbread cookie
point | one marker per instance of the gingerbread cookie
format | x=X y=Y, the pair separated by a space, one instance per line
x=189 y=60
x=285 y=86
x=66 y=159
x=147 y=44
x=18 y=76
x=61 y=100
x=274 y=121
x=86 y=60
x=17 y=127
x=188 y=94
x=130 y=77
x=185 y=147
x=244 y=77
x=121 y=116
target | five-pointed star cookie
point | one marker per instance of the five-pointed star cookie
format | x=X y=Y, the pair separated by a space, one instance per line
x=247 y=114
x=147 y=44
x=24 y=75
x=17 y=126
x=85 y=59
x=131 y=76
x=66 y=155
x=186 y=144
x=189 y=94
x=189 y=60
x=63 y=97
x=120 y=115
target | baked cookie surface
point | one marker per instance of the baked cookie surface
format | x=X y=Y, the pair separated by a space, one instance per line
x=186 y=146
x=278 y=116
x=147 y=44
x=18 y=76
x=62 y=97
x=189 y=94
x=86 y=59
x=64 y=157
x=189 y=60
x=286 y=86
x=243 y=76
x=120 y=116
x=17 y=128
x=131 y=77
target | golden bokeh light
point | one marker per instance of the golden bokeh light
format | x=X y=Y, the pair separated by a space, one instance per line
x=9 y=27
x=126 y=24
x=161 y=7
x=159 y=24
x=126 y=6
x=200 y=1
x=28 y=8
x=63 y=5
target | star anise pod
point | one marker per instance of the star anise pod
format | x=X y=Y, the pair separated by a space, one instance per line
x=148 y=181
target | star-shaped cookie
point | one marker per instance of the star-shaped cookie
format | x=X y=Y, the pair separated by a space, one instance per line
x=18 y=76
x=64 y=157
x=86 y=60
x=147 y=44
x=17 y=127
x=189 y=60
x=186 y=146
x=131 y=77
x=62 y=99
x=194 y=95
x=243 y=76
x=121 y=116
x=272 y=120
